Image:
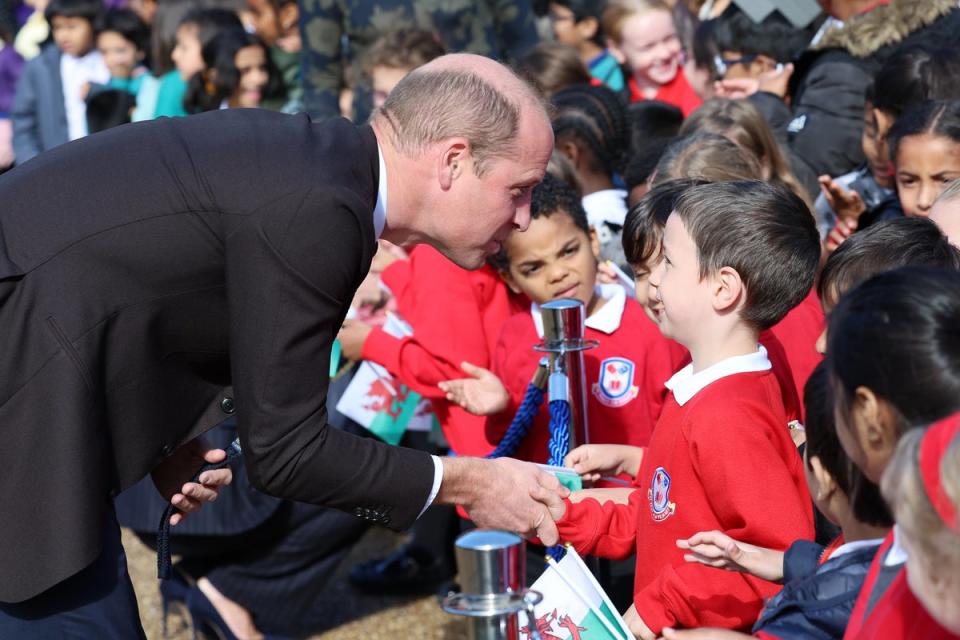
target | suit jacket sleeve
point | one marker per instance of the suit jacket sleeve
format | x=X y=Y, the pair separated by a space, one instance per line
x=290 y=277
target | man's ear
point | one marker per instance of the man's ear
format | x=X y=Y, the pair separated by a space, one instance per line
x=616 y=52
x=825 y=481
x=452 y=161
x=728 y=289
x=289 y=16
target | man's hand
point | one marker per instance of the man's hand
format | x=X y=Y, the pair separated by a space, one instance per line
x=504 y=494
x=171 y=478
x=592 y=461
x=636 y=624
x=717 y=549
x=352 y=336
x=482 y=394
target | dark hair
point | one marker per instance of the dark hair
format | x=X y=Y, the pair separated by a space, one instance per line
x=774 y=37
x=765 y=232
x=128 y=24
x=706 y=156
x=583 y=9
x=652 y=120
x=884 y=246
x=89 y=9
x=915 y=74
x=108 y=108
x=940 y=119
x=207 y=90
x=705 y=46
x=596 y=118
x=866 y=502
x=552 y=66
x=643 y=225
x=644 y=162
x=403 y=49
x=898 y=334
x=551 y=196
x=211 y=22
x=172 y=14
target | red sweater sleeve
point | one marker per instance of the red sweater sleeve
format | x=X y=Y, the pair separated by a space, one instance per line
x=758 y=492
x=608 y=530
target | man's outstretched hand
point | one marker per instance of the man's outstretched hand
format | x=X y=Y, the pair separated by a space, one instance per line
x=172 y=476
x=504 y=494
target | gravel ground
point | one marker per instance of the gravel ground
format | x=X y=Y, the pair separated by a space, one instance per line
x=353 y=616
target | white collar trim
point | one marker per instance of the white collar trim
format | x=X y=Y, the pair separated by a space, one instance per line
x=685 y=383
x=896 y=555
x=850 y=547
x=606 y=319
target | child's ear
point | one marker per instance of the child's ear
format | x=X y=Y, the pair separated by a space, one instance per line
x=594 y=243
x=728 y=289
x=289 y=16
x=876 y=424
x=884 y=122
x=616 y=52
x=507 y=278
x=570 y=150
x=825 y=481
x=587 y=28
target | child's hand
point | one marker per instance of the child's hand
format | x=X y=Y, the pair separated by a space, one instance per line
x=352 y=336
x=618 y=495
x=703 y=634
x=606 y=273
x=636 y=624
x=482 y=394
x=840 y=232
x=592 y=461
x=716 y=549
x=846 y=203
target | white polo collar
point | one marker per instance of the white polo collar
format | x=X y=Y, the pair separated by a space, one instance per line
x=896 y=554
x=606 y=319
x=685 y=383
x=380 y=210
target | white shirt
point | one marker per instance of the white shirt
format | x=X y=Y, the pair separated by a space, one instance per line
x=74 y=73
x=849 y=547
x=379 y=222
x=896 y=555
x=608 y=205
x=685 y=383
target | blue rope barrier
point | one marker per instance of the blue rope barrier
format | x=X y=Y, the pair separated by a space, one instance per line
x=521 y=424
x=559 y=431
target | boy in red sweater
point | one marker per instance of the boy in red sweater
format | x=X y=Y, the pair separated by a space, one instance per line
x=736 y=257
x=557 y=258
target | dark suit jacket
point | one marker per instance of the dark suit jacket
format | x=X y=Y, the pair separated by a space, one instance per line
x=145 y=269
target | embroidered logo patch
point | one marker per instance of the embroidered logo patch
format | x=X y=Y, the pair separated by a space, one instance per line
x=659 y=495
x=615 y=387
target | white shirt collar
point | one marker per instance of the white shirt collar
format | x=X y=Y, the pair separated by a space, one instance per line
x=849 y=547
x=380 y=210
x=896 y=555
x=606 y=319
x=685 y=383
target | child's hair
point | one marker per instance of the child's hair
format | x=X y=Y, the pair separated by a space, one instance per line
x=909 y=496
x=950 y=192
x=171 y=15
x=128 y=24
x=704 y=47
x=594 y=117
x=913 y=74
x=403 y=49
x=822 y=442
x=775 y=36
x=939 y=119
x=643 y=225
x=651 y=121
x=582 y=9
x=551 y=67
x=88 y=9
x=763 y=231
x=551 y=196
x=740 y=121
x=643 y=163
x=884 y=246
x=109 y=108
x=559 y=166
x=898 y=334
x=207 y=90
x=619 y=11
x=706 y=156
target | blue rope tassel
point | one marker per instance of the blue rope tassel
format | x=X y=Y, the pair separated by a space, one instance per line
x=163 y=534
x=521 y=424
x=559 y=448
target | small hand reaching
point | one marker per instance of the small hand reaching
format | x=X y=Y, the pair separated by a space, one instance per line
x=592 y=461
x=846 y=203
x=717 y=549
x=172 y=475
x=481 y=394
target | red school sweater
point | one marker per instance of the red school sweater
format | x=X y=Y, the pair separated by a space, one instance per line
x=798 y=332
x=625 y=377
x=456 y=316
x=721 y=461
x=677 y=92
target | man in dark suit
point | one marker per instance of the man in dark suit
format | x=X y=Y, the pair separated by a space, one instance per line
x=158 y=277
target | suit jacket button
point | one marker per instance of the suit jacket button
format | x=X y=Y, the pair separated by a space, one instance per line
x=166 y=450
x=227 y=405
x=358 y=512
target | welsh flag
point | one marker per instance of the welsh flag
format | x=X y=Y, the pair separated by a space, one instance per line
x=574 y=606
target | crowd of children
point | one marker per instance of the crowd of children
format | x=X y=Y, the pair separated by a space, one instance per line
x=755 y=208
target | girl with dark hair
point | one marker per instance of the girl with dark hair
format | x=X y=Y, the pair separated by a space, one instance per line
x=591 y=129
x=238 y=73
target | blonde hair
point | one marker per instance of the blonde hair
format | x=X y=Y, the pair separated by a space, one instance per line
x=619 y=11
x=706 y=156
x=903 y=488
x=740 y=121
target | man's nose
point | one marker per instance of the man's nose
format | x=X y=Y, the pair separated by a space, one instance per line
x=521 y=217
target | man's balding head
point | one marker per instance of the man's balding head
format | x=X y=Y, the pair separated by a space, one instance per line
x=461 y=95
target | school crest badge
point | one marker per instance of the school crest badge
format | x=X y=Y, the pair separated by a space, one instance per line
x=615 y=387
x=659 y=495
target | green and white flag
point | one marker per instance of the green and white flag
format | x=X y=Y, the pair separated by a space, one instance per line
x=574 y=606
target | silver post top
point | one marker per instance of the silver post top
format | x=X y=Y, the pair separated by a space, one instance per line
x=491 y=562
x=563 y=320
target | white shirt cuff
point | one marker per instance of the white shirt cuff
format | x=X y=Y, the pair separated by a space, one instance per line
x=437 y=479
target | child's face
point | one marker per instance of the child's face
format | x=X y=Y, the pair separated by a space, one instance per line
x=741 y=66
x=383 y=80
x=650 y=47
x=265 y=21
x=947 y=216
x=73 y=36
x=925 y=164
x=251 y=63
x=566 y=29
x=554 y=258
x=646 y=295
x=675 y=283
x=936 y=587
x=119 y=54
x=187 y=53
x=875 y=148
